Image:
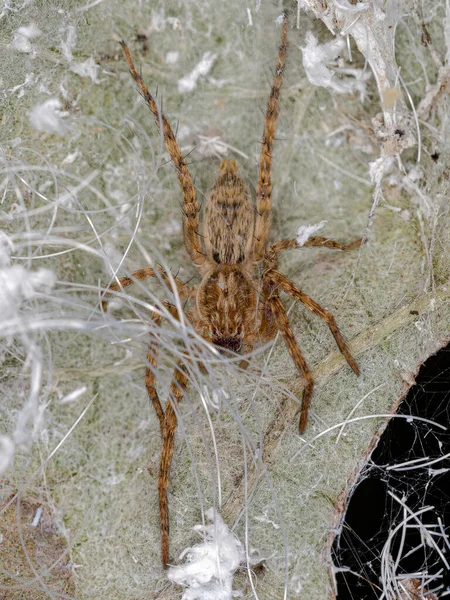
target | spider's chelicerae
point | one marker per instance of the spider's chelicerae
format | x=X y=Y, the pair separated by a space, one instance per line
x=237 y=303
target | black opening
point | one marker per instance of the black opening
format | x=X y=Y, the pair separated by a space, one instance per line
x=368 y=539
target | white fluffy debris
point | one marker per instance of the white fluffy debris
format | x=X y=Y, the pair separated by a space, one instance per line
x=172 y=57
x=48 y=117
x=351 y=8
x=317 y=56
x=18 y=283
x=305 y=231
x=88 y=68
x=69 y=43
x=189 y=82
x=208 y=571
x=316 y=61
x=23 y=36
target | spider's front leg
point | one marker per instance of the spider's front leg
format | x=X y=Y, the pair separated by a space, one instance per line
x=264 y=186
x=192 y=239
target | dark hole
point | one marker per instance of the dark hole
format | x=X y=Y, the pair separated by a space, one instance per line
x=372 y=513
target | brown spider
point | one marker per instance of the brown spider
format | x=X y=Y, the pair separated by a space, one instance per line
x=238 y=301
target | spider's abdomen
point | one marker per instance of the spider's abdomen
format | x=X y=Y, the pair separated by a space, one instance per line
x=228 y=223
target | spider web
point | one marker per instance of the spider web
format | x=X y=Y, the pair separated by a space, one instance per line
x=397 y=524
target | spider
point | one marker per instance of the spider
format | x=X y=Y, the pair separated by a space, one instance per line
x=238 y=300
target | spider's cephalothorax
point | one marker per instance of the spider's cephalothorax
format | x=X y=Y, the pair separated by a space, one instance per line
x=238 y=301
x=227 y=302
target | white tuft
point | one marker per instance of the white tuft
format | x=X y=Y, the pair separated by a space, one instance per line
x=69 y=44
x=189 y=82
x=172 y=57
x=88 y=68
x=48 y=117
x=317 y=58
x=305 y=231
x=23 y=36
x=18 y=283
x=208 y=571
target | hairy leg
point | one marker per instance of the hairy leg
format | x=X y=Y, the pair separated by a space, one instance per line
x=289 y=288
x=184 y=291
x=264 y=187
x=150 y=370
x=274 y=250
x=177 y=389
x=150 y=374
x=192 y=238
x=282 y=322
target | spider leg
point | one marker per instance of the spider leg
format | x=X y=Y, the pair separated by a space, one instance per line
x=282 y=323
x=168 y=419
x=274 y=250
x=192 y=239
x=324 y=242
x=289 y=288
x=177 y=389
x=150 y=374
x=184 y=291
x=264 y=187
x=150 y=369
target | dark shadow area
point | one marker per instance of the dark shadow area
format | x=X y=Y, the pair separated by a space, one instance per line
x=397 y=526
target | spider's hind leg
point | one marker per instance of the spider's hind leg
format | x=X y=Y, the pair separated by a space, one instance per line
x=289 y=288
x=150 y=373
x=177 y=389
x=282 y=322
